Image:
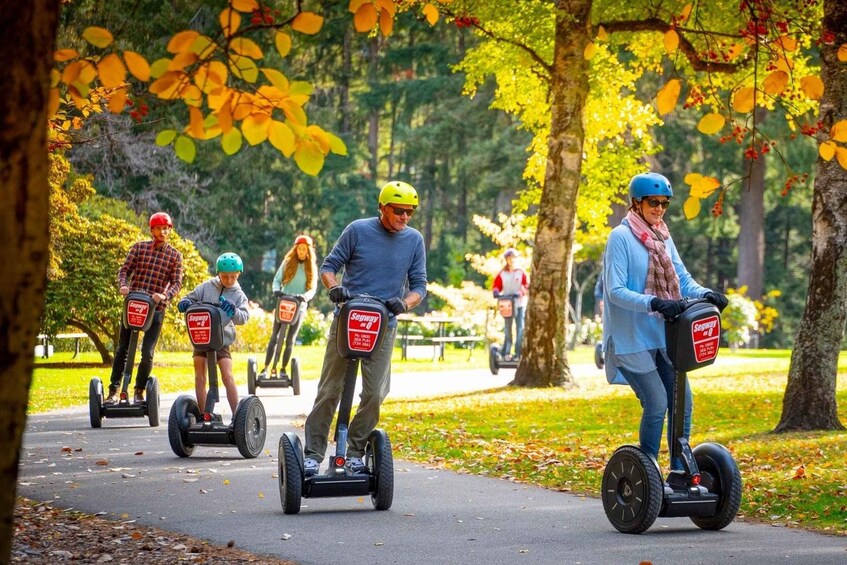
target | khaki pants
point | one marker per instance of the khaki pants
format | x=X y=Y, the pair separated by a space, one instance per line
x=376 y=381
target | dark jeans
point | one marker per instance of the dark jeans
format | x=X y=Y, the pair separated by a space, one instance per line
x=507 y=341
x=288 y=334
x=148 y=345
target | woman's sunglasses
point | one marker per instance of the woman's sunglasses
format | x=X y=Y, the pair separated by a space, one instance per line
x=654 y=202
x=401 y=211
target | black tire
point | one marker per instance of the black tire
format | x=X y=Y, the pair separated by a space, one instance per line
x=152 y=395
x=719 y=473
x=250 y=427
x=295 y=376
x=184 y=414
x=598 y=356
x=251 y=376
x=95 y=402
x=380 y=464
x=290 y=474
x=493 y=360
x=632 y=490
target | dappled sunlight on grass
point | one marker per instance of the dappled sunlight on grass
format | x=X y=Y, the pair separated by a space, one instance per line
x=561 y=439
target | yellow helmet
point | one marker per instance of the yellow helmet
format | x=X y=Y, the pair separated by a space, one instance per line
x=398 y=192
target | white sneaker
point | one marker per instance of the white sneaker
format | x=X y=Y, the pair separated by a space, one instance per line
x=355 y=465
x=311 y=467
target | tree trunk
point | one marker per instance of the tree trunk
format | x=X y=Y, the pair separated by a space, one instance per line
x=544 y=359
x=373 y=117
x=27 y=39
x=751 y=220
x=809 y=402
x=92 y=334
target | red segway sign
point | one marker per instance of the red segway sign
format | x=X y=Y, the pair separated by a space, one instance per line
x=706 y=336
x=136 y=313
x=362 y=330
x=199 y=327
x=505 y=307
x=287 y=310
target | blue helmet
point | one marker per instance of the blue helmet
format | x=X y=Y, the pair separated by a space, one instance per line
x=229 y=263
x=649 y=184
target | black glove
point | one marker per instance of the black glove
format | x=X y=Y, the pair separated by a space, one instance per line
x=339 y=294
x=496 y=294
x=396 y=306
x=278 y=294
x=667 y=308
x=717 y=299
x=227 y=307
x=183 y=305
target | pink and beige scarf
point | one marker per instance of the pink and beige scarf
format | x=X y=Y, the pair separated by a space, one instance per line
x=662 y=280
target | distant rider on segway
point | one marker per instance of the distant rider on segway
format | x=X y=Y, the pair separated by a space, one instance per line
x=154 y=267
x=380 y=257
x=298 y=276
x=644 y=281
x=512 y=281
x=224 y=290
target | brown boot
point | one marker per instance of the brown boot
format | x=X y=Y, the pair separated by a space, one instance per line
x=113 y=396
x=139 y=396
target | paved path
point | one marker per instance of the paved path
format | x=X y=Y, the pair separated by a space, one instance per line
x=127 y=471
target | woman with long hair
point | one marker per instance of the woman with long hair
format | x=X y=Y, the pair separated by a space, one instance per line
x=298 y=276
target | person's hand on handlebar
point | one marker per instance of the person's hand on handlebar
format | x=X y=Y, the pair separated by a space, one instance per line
x=667 y=308
x=718 y=299
x=339 y=294
x=278 y=294
x=227 y=307
x=396 y=306
x=183 y=305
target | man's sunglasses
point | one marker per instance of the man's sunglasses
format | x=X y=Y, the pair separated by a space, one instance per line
x=401 y=211
x=654 y=202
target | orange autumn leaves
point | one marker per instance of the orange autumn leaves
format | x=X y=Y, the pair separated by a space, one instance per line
x=228 y=93
x=367 y=14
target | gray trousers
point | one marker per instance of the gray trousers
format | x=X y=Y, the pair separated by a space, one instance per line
x=376 y=382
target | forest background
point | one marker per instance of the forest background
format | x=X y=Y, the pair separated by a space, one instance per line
x=401 y=105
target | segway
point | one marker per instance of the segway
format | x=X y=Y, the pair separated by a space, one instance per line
x=507 y=306
x=187 y=426
x=289 y=308
x=599 y=359
x=361 y=328
x=708 y=490
x=139 y=309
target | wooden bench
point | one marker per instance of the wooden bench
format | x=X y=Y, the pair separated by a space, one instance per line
x=46 y=348
x=440 y=341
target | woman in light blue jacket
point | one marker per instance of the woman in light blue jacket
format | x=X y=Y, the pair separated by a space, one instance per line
x=644 y=281
x=298 y=276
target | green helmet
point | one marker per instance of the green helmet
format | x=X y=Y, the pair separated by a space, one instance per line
x=229 y=263
x=398 y=192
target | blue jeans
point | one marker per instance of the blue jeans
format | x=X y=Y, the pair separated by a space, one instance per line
x=148 y=344
x=655 y=391
x=507 y=339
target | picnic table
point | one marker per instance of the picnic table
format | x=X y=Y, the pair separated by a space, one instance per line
x=437 y=341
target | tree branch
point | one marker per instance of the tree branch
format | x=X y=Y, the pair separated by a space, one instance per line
x=687 y=48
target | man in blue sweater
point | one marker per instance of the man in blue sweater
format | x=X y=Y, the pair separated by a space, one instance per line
x=380 y=257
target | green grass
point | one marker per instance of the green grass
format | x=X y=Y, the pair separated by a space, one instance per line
x=561 y=439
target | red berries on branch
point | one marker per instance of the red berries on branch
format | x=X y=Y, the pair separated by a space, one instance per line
x=466 y=21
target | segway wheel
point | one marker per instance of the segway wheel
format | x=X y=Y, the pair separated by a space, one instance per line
x=632 y=490
x=184 y=414
x=152 y=395
x=250 y=427
x=95 y=402
x=493 y=363
x=295 y=376
x=719 y=473
x=251 y=376
x=380 y=463
x=598 y=356
x=290 y=474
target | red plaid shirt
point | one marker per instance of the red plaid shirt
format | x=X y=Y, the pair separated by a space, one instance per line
x=152 y=270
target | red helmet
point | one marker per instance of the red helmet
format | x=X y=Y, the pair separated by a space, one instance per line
x=160 y=219
x=303 y=239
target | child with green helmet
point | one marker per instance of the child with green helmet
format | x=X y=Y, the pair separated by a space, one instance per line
x=224 y=290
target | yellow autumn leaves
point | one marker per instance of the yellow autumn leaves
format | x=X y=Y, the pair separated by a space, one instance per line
x=367 y=14
x=209 y=76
